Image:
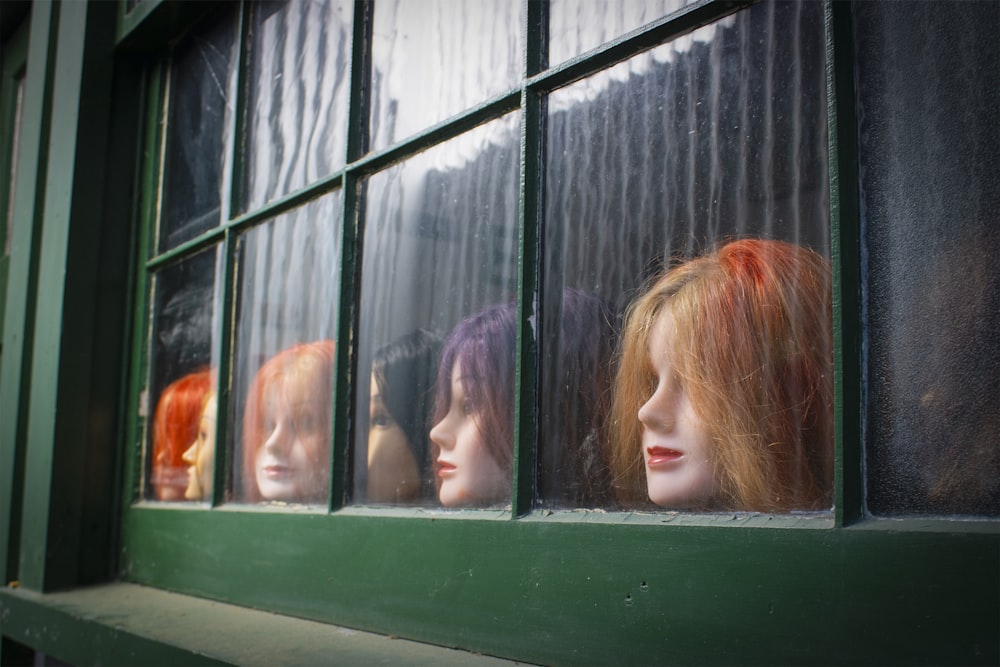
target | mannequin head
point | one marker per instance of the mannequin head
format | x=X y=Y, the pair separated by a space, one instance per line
x=175 y=426
x=286 y=426
x=723 y=393
x=402 y=385
x=473 y=432
x=200 y=456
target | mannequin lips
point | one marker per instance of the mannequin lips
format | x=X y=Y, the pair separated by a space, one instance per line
x=658 y=456
x=275 y=470
x=445 y=469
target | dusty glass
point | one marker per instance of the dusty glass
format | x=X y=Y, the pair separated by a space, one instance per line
x=440 y=246
x=435 y=58
x=297 y=83
x=928 y=93
x=577 y=26
x=280 y=415
x=201 y=100
x=183 y=356
x=716 y=135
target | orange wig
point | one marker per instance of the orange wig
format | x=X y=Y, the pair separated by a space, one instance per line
x=306 y=364
x=753 y=352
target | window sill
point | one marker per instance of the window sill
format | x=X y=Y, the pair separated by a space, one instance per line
x=130 y=624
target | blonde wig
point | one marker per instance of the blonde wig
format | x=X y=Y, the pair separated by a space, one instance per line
x=753 y=352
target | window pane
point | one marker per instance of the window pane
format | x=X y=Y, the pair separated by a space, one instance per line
x=184 y=344
x=577 y=26
x=297 y=95
x=280 y=406
x=434 y=58
x=717 y=135
x=199 y=118
x=929 y=89
x=440 y=245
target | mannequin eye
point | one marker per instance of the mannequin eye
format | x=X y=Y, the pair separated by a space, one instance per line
x=382 y=420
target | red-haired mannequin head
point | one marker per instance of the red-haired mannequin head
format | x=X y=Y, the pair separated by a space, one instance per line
x=175 y=427
x=723 y=393
x=286 y=426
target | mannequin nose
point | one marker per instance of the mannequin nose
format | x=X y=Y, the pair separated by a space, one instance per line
x=657 y=413
x=190 y=454
x=278 y=438
x=441 y=435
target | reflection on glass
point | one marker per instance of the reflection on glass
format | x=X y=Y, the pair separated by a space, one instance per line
x=288 y=269
x=199 y=118
x=440 y=242
x=185 y=312
x=297 y=95
x=715 y=135
x=434 y=58
x=723 y=398
x=928 y=91
x=576 y=26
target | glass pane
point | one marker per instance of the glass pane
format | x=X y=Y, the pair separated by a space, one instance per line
x=199 y=118
x=184 y=344
x=440 y=248
x=716 y=136
x=434 y=58
x=576 y=26
x=928 y=91
x=297 y=95
x=281 y=399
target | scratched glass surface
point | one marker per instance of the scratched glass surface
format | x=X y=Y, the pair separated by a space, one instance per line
x=715 y=135
x=184 y=344
x=435 y=58
x=928 y=93
x=280 y=403
x=297 y=83
x=199 y=121
x=577 y=26
x=440 y=245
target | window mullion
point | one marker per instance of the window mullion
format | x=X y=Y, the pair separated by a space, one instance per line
x=530 y=213
x=845 y=248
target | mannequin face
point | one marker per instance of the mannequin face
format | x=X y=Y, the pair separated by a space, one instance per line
x=467 y=475
x=676 y=445
x=393 y=473
x=200 y=456
x=292 y=464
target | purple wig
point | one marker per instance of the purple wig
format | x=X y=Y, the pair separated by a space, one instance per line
x=484 y=347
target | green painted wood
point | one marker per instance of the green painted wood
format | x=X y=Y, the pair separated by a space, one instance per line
x=18 y=336
x=66 y=418
x=618 y=590
x=123 y=624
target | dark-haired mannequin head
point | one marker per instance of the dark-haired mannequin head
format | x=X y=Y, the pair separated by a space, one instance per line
x=402 y=384
x=723 y=393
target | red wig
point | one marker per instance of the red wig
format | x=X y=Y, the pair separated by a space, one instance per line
x=175 y=427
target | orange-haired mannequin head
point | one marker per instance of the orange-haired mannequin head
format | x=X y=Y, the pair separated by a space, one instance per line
x=286 y=426
x=723 y=393
x=175 y=426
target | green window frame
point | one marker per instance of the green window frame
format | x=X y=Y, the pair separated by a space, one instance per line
x=553 y=587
